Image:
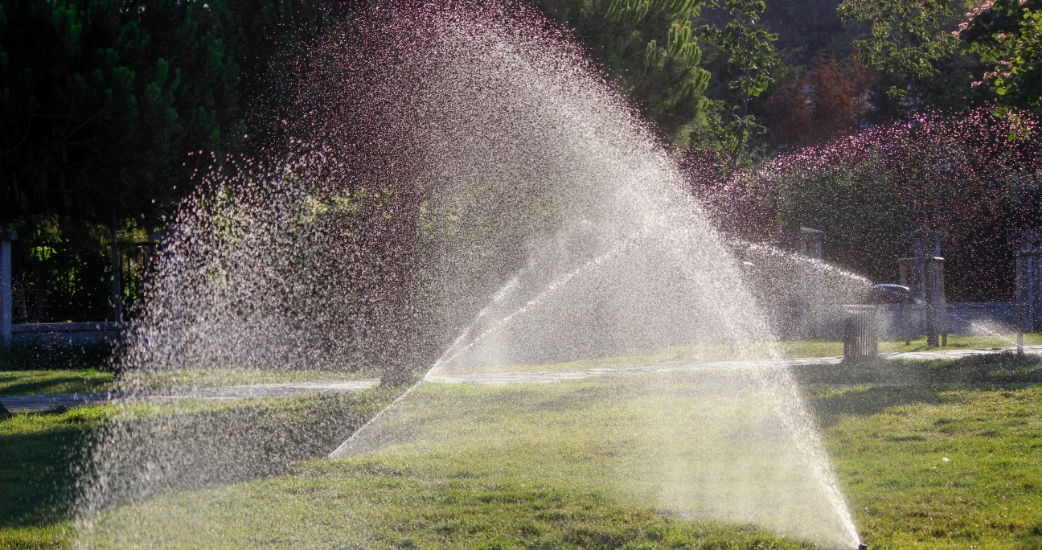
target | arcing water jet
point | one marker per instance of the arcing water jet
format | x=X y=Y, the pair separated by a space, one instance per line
x=460 y=149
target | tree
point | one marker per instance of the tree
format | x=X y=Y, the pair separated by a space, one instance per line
x=102 y=99
x=830 y=100
x=1008 y=34
x=750 y=54
x=650 y=50
x=920 y=61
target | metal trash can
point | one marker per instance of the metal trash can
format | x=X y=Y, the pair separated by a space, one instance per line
x=861 y=333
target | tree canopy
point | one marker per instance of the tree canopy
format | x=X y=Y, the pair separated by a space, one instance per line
x=101 y=100
x=650 y=49
x=109 y=108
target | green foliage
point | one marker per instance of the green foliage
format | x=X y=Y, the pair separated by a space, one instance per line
x=906 y=37
x=101 y=100
x=849 y=199
x=647 y=47
x=1008 y=34
x=31 y=382
x=921 y=60
x=748 y=48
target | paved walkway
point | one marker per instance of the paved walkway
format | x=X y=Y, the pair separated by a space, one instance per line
x=43 y=402
x=543 y=377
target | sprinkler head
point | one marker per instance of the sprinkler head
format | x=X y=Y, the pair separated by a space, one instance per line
x=862 y=546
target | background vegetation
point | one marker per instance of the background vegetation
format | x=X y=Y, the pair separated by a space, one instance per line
x=111 y=110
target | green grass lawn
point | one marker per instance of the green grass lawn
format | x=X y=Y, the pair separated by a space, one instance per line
x=1004 y=368
x=929 y=468
x=820 y=348
x=28 y=382
x=608 y=463
x=577 y=464
x=39 y=452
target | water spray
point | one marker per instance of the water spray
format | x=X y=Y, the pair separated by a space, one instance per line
x=454 y=350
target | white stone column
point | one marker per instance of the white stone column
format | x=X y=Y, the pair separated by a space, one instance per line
x=6 y=298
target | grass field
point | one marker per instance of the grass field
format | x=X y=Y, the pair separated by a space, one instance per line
x=939 y=468
x=563 y=467
x=39 y=452
x=28 y=382
x=616 y=445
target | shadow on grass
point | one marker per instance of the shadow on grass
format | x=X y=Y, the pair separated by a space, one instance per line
x=42 y=455
x=832 y=406
x=36 y=470
x=53 y=381
x=997 y=368
x=872 y=387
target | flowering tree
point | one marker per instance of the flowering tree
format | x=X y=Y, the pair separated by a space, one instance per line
x=1008 y=34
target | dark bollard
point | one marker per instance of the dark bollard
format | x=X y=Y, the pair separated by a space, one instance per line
x=862 y=546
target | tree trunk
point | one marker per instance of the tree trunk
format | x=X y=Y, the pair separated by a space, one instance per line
x=396 y=319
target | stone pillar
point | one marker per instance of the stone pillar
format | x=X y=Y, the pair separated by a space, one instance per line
x=808 y=244
x=6 y=297
x=923 y=273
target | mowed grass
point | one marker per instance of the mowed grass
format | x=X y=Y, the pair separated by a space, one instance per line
x=593 y=464
x=367 y=504
x=1004 y=368
x=938 y=468
x=29 y=382
x=41 y=453
x=830 y=348
x=547 y=478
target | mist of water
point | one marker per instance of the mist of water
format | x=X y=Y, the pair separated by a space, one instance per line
x=468 y=188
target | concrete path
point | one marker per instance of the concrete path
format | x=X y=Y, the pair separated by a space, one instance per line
x=43 y=402
x=957 y=353
x=543 y=377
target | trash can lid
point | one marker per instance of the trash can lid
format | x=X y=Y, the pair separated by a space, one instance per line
x=889 y=294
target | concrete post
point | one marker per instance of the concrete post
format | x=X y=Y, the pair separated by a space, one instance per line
x=942 y=302
x=904 y=306
x=6 y=297
x=926 y=267
x=1018 y=293
x=930 y=288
